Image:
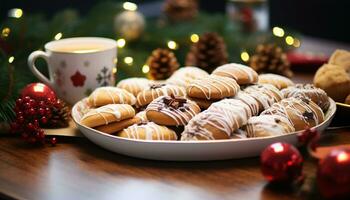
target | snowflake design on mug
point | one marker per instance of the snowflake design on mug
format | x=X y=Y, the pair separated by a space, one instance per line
x=104 y=77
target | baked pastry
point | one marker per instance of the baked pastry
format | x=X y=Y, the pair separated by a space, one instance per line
x=107 y=114
x=118 y=126
x=302 y=112
x=278 y=81
x=171 y=110
x=148 y=131
x=347 y=100
x=110 y=95
x=268 y=125
x=202 y=103
x=212 y=88
x=342 y=58
x=250 y=100
x=142 y=116
x=134 y=85
x=218 y=122
x=334 y=80
x=183 y=76
x=317 y=95
x=265 y=94
x=241 y=73
x=156 y=90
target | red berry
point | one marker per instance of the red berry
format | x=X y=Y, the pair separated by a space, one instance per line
x=27 y=105
x=26 y=98
x=41 y=111
x=30 y=126
x=48 y=111
x=36 y=123
x=32 y=111
x=53 y=141
x=19 y=102
x=42 y=104
x=19 y=113
x=20 y=119
x=43 y=120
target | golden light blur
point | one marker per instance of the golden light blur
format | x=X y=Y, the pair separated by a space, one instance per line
x=129 y=6
x=128 y=60
x=194 y=38
x=145 y=69
x=172 y=44
x=277 y=31
x=121 y=42
x=58 y=36
x=114 y=70
x=296 y=43
x=245 y=56
x=11 y=59
x=15 y=12
x=5 y=32
x=289 y=40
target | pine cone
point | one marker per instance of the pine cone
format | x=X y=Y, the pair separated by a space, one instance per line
x=269 y=58
x=180 y=10
x=162 y=64
x=208 y=53
x=60 y=116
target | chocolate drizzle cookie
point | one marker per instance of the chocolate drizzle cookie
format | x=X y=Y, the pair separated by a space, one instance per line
x=265 y=94
x=171 y=110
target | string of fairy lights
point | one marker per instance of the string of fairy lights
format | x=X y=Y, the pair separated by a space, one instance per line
x=171 y=44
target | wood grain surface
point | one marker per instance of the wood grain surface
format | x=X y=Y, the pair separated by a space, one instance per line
x=78 y=169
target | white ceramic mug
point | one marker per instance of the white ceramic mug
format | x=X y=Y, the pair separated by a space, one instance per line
x=77 y=65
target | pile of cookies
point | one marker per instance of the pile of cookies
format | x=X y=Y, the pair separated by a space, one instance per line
x=231 y=102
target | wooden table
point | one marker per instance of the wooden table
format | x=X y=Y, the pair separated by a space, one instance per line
x=78 y=169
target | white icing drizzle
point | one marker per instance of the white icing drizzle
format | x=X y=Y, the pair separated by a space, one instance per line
x=142 y=116
x=113 y=109
x=250 y=100
x=183 y=76
x=165 y=90
x=268 y=125
x=207 y=83
x=265 y=94
x=276 y=80
x=181 y=115
x=116 y=95
x=317 y=95
x=287 y=107
x=226 y=115
x=151 y=129
x=134 y=85
x=233 y=69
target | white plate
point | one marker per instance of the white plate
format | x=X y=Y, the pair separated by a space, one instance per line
x=187 y=150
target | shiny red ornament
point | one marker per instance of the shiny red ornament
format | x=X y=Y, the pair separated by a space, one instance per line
x=39 y=92
x=281 y=162
x=333 y=174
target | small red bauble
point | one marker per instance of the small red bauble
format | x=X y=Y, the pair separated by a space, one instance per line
x=39 y=92
x=281 y=162
x=333 y=174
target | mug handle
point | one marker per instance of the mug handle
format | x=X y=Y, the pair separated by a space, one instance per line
x=31 y=63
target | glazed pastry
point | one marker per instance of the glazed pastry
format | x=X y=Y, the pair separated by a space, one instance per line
x=265 y=94
x=241 y=73
x=334 y=80
x=142 y=116
x=118 y=126
x=278 y=81
x=156 y=90
x=342 y=58
x=268 y=125
x=202 y=103
x=110 y=95
x=107 y=114
x=134 y=85
x=251 y=101
x=212 y=88
x=171 y=110
x=218 y=122
x=302 y=112
x=148 y=131
x=317 y=95
x=183 y=76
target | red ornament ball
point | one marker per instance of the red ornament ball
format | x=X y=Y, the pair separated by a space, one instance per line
x=281 y=162
x=333 y=174
x=39 y=92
